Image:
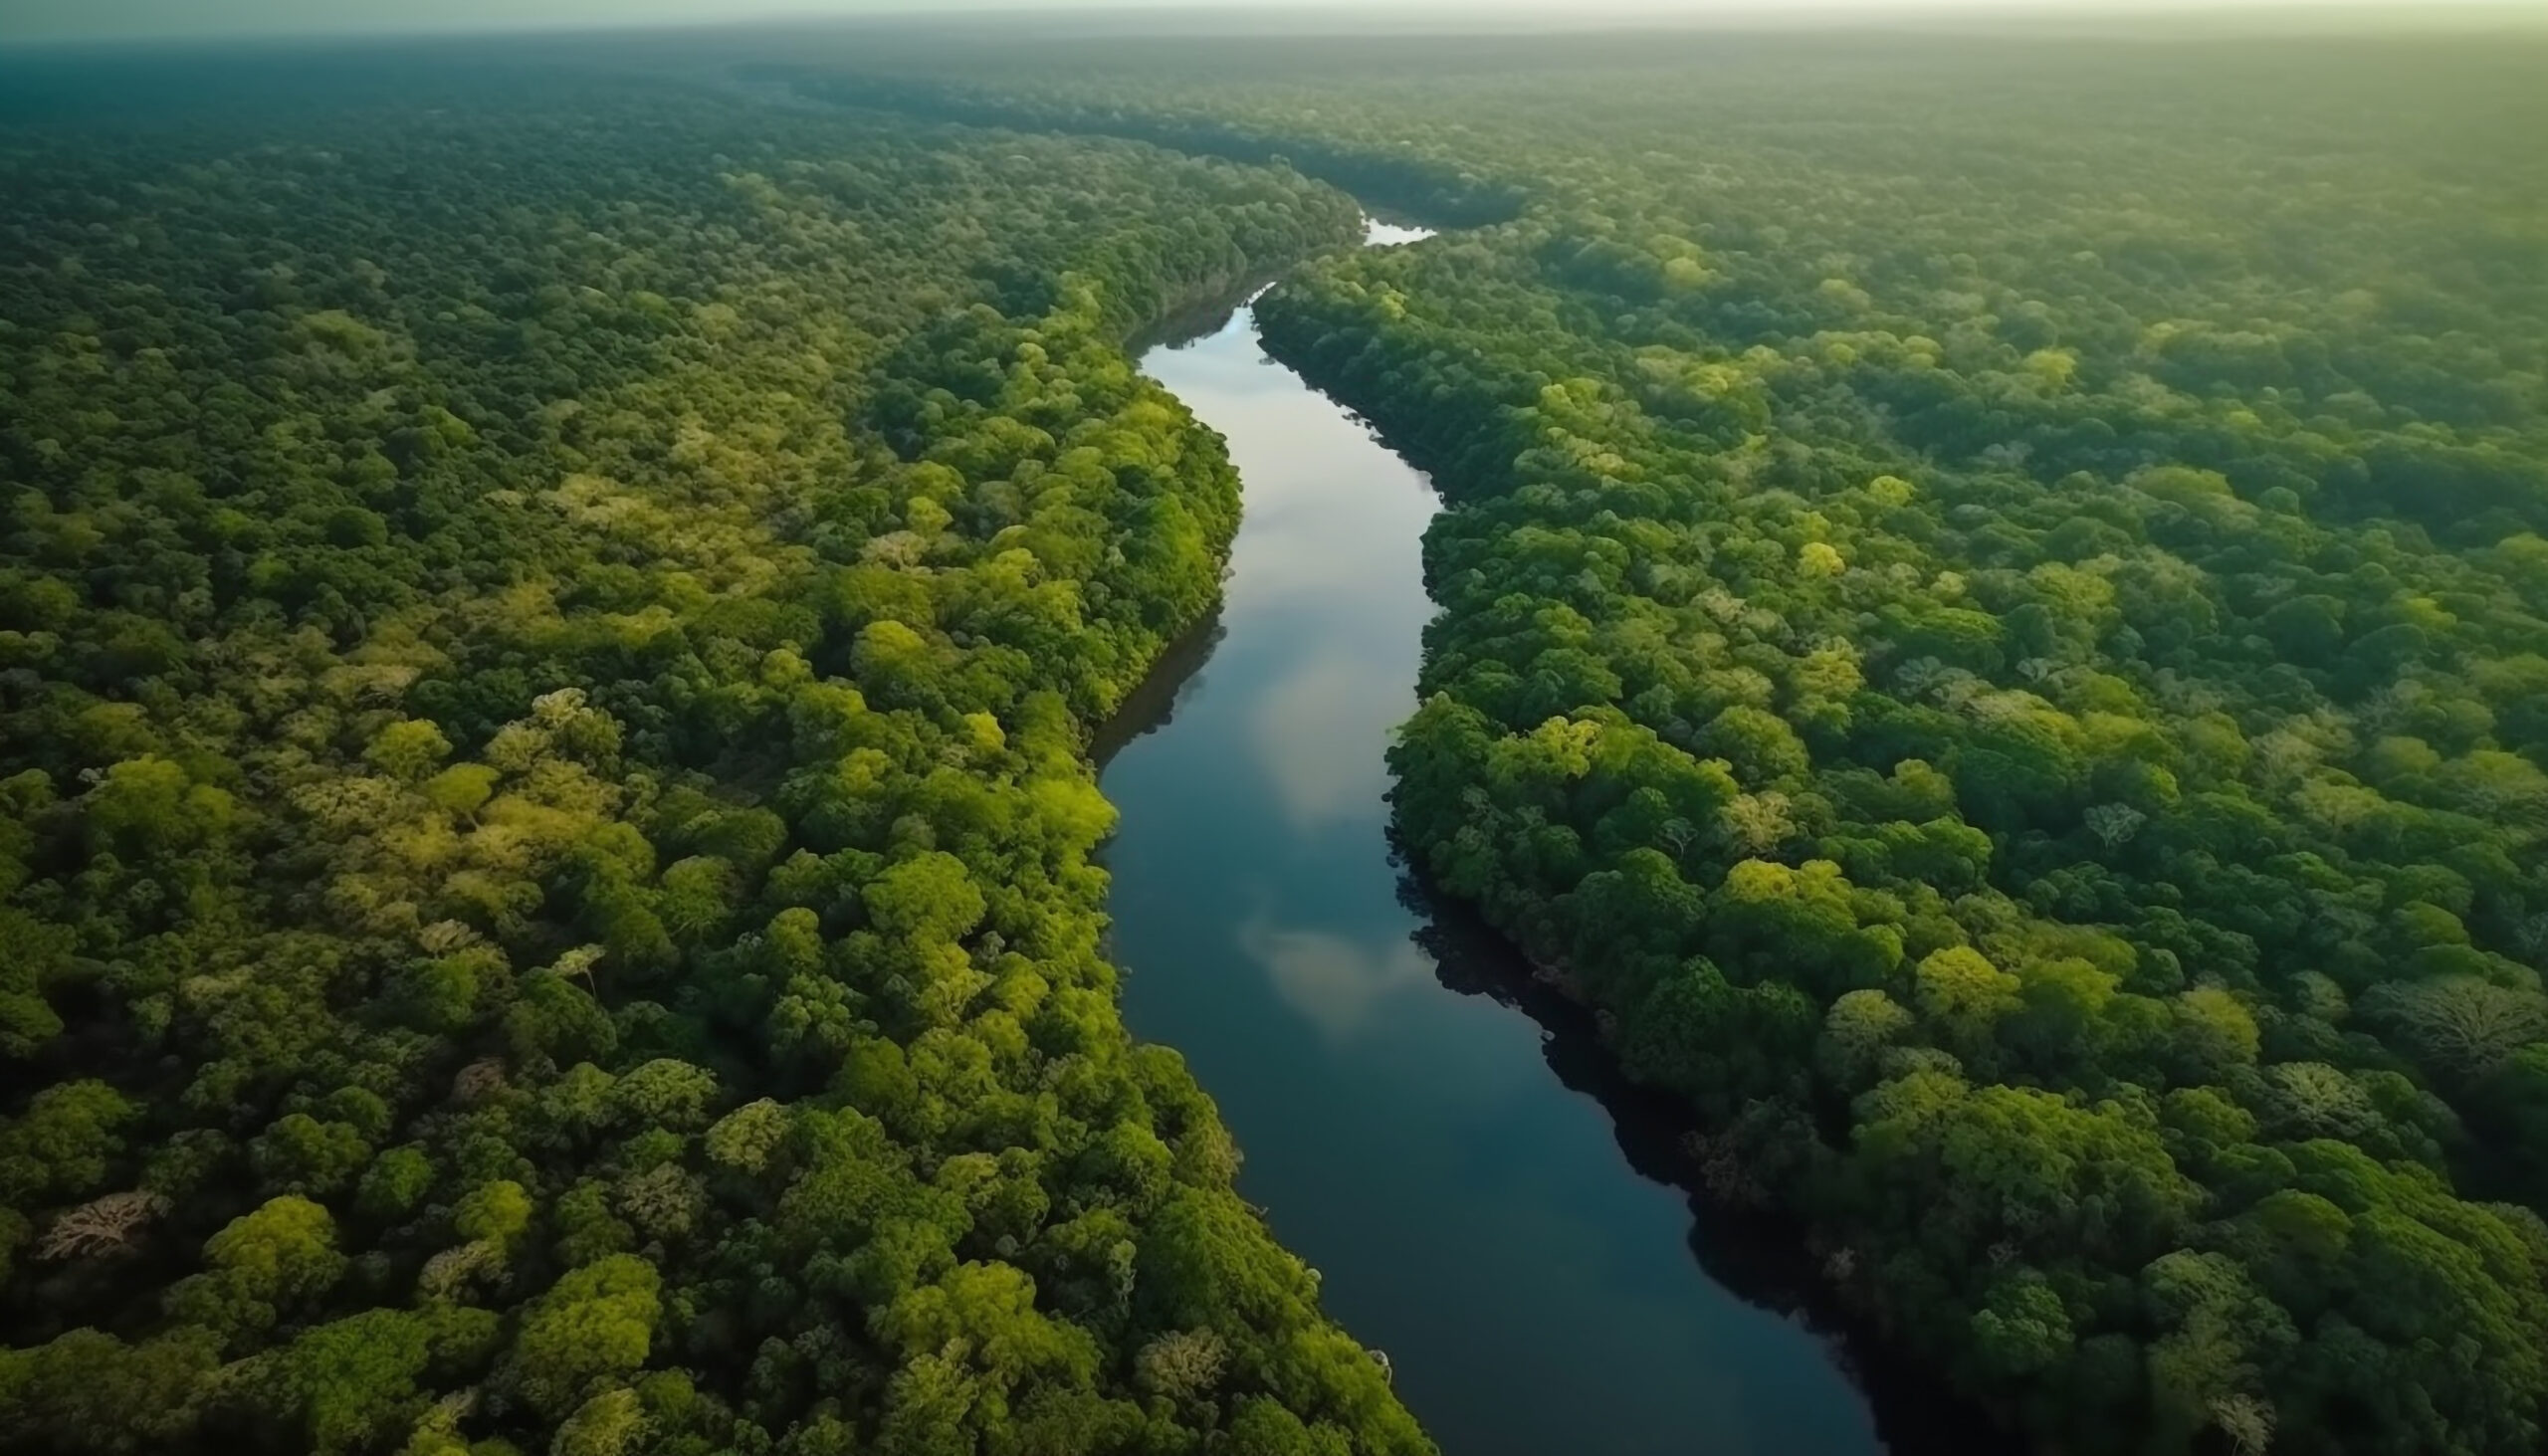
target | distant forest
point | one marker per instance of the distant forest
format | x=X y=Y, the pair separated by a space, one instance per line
x=1994 y=627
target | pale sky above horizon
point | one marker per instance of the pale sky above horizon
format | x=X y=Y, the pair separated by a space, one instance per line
x=59 y=20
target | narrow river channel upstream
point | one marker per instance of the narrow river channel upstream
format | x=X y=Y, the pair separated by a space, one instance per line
x=1473 y=1214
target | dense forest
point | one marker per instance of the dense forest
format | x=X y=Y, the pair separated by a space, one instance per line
x=1993 y=627
x=1995 y=623
x=548 y=631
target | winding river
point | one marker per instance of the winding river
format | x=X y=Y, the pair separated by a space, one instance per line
x=1466 y=1179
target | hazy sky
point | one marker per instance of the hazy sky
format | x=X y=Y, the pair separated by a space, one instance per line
x=25 y=20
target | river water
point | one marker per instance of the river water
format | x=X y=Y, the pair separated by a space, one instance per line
x=1446 y=1163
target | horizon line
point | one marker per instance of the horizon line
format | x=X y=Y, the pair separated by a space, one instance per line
x=1342 y=18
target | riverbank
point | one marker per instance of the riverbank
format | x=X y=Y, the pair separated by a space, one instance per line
x=1472 y=1214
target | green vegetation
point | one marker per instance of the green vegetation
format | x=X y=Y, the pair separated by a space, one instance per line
x=547 y=632
x=1994 y=612
x=1996 y=628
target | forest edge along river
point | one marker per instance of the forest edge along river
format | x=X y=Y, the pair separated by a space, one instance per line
x=1508 y=1237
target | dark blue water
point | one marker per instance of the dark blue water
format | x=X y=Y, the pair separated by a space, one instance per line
x=1473 y=1215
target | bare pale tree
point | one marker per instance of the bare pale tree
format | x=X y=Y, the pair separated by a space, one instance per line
x=478 y=1080
x=113 y=1224
x=1183 y=1365
x=2462 y=1024
x=2314 y=1100
x=1677 y=836
x=580 y=962
x=1756 y=823
x=2114 y=824
x=444 y=936
x=447 y=1274
x=2246 y=1421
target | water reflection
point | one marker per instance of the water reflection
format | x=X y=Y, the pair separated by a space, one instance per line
x=1302 y=715
x=1472 y=1214
x=1152 y=705
x=1333 y=981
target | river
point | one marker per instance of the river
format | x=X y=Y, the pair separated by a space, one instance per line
x=1442 y=1159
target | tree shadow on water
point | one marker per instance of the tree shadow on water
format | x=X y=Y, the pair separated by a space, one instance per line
x=1762 y=1258
x=1152 y=704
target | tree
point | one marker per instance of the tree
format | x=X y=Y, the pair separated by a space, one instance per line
x=285 y=1250
x=62 y=1145
x=1964 y=994
x=92 y=1393
x=928 y=899
x=606 y=1425
x=664 y=1093
x=748 y=1137
x=410 y=749
x=595 y=1326
x=302 y=1155
x=348 y=1383
x=1855 y=1030
x=2022 y=1330
x=150 y=805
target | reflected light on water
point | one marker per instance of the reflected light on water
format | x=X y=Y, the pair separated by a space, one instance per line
x=1333 y=981
x=1335 y=697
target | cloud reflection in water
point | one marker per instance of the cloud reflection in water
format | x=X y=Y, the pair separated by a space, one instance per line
x=1315 y=730
x=1334 y=982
